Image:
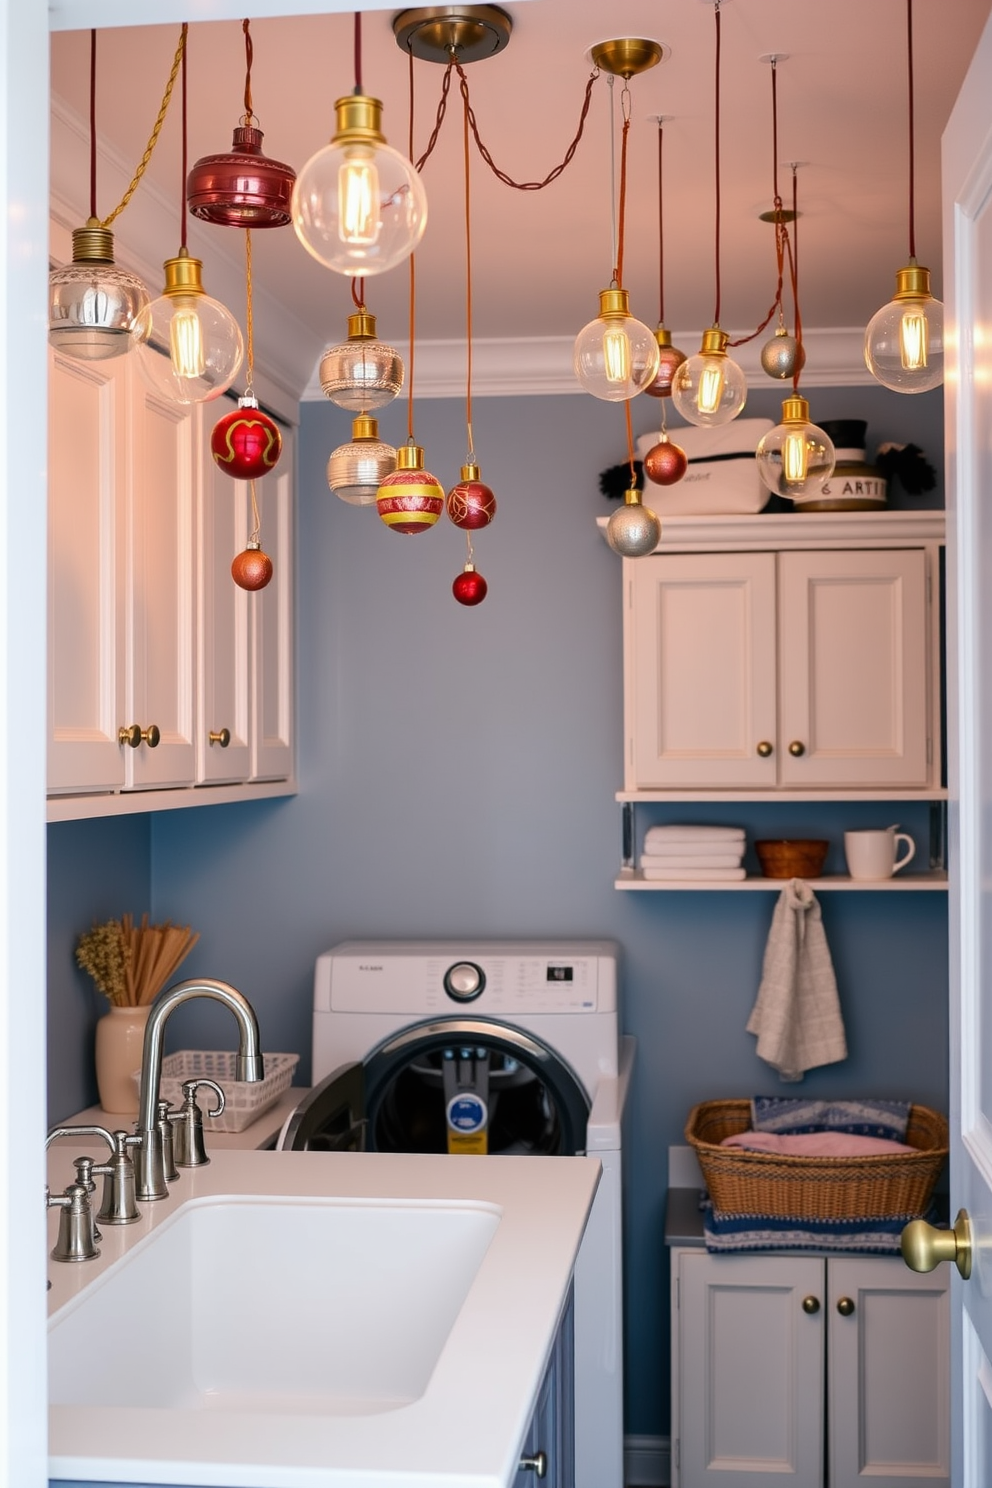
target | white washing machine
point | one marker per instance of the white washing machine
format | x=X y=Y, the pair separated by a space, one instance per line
x=496 y=1047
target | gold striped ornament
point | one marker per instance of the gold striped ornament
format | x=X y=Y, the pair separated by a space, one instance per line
x=410 y=499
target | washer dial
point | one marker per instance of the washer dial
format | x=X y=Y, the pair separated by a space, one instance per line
x=464 y=981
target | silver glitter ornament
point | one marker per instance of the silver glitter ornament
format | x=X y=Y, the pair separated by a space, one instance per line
x=634 y=530
x=782 y=356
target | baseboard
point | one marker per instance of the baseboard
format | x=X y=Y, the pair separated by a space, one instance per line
x=647 y=1461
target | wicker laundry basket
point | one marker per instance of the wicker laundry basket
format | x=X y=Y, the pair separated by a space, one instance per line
x=896 y=1183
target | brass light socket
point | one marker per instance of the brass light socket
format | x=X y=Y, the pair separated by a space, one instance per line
x=632 y=497
x=795 y=410
x=614 y=304
x=410 y=457
x=627 y=56
x=364 y=427
x=182 y=275
x=715 y=342
x=92 y=243
x=359 y=118
x=913 y=283
x=471 y=472
x=361 y=327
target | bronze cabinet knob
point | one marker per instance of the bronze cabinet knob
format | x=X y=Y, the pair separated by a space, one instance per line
x=220 y=736
x=811 y=1305
x=765 y=749
x=796 y=748
x=135 y=735
x=845 y=1306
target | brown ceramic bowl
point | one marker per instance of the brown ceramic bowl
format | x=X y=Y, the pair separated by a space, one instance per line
x=800 y=857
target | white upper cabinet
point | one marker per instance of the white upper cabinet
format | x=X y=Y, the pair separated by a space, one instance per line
x=783 y=668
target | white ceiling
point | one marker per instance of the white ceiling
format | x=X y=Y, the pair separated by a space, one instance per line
x=539 y=258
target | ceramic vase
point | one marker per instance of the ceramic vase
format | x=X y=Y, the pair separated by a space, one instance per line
x=120 y=1036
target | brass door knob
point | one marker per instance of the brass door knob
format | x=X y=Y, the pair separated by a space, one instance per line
x=796 y=748
x=811 y=1305
x=845 y=1306
x=765 y=749
x=924 y=1247
x=136 y=735
x=220 y=736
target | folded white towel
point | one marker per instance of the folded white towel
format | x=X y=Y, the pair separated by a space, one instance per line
x=796 y=1015
x=675 y=859
x=728 y=875
x=656 y=837
x=695 y=849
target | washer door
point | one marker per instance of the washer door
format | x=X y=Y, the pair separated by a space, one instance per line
x=535 y=1104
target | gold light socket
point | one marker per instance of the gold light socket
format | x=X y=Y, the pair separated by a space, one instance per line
x=715 y=342
x=359 y=118
x=614 y=304
x=913 y=283
x=410 y=457
x=182 y=275
x=364 y=427
x=632 y=497
x=471 y=472
x=627 y=56
x=92 y=243
x=663 y=336
x=361 y=327
x=795 y=410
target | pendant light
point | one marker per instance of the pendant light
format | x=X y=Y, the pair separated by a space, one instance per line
x=796 y=458
x=359 y=206
x=189 y=345
x=363 y=372
x=242 y=187
x=669 y=356
x=615 y=357
x=93 y=304
x=633 y=530
x=355 y=471
x=904 y=341
x=710 y=388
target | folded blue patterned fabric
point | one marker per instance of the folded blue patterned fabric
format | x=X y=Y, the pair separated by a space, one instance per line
x=863 y=1118
x=729 y=1232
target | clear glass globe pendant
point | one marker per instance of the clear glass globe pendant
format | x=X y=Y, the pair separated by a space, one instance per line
x=363 y=372
x=710 y=388
x=904 y=341
x=359 y=206
x=189 y=346
x=615 y=356
x=93 y=304
x=796 y=458
x=356 y=471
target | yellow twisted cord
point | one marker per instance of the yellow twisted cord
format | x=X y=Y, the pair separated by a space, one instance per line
x=156 y=131
x=250 y=317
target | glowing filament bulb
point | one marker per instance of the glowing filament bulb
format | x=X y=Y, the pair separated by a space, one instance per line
x=913 y=335
x=795 y=462
x=616 y=354
x=710 y=386
x=186 y=342
x=358 y=199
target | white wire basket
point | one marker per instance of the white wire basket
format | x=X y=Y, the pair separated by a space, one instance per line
x=244 y=1100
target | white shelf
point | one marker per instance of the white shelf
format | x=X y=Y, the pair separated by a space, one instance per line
x=631 y=878
x=785 y=796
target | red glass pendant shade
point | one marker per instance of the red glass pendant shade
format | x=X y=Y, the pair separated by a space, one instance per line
x=243 y=187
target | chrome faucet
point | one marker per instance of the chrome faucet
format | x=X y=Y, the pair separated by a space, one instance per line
x=151 y=1182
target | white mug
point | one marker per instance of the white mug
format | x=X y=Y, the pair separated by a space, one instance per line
x=872 y=854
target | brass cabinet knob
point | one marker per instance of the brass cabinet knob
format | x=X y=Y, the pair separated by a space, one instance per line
x=765 y=749
x=220 y=736
x=537 y=1464
x=845 y=1306
x=811 y=1305
x=924 y=1247
x=136 y=735
x=796 y=748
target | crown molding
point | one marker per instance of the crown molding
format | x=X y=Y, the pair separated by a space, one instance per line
x=536 y=365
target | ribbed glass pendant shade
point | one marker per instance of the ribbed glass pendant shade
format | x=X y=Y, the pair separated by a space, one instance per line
x=356 y=471
x=93 y=304
x=361 y=373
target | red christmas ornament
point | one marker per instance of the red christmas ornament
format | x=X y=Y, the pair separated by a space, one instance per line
x=670 y=360
x=252 y=569
x=246 y=443
x=665 y=463
x=470 y=504
x=470 y=588
x=411 y=499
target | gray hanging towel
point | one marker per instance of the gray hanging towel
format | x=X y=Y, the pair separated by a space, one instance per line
x=796 y=1015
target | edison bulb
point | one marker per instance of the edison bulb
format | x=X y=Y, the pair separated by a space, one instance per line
x=904 y=341
x=189 y=345
x=796 y=458
x=359 y=206
x=710 y=388
x=615 y=356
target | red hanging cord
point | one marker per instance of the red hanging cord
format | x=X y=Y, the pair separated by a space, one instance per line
x=93 y=123
x=182 y=184
x=413 y=288
x=661 y=224
x=912 y=149
x=622 y=205
x=716 y=136
x=249 y=58
x=358 y=51
x=468 y=281
x=794 y=265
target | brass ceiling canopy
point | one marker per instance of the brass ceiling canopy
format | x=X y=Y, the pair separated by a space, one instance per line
x=437 y=33
x=778 y=214
x=627 y=56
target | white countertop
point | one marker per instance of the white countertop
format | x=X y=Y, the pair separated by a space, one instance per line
x=467 y=1427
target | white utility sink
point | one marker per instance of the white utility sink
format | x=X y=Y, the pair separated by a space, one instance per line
x=315 y=1320
x=322 y=1306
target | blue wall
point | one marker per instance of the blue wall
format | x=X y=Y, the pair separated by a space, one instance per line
x=457 y=775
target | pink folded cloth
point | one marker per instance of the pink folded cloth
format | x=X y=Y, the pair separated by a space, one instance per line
x=814 y=1144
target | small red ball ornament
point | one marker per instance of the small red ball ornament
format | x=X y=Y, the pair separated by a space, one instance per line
x=470 y=588
x=246 y=443
x=411 y=499
x=470 y=504
x=670 y=360
x=252 y=569
x=665 y=463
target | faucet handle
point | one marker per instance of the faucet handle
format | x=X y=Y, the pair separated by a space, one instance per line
x=77 y=1238
x=119 y=1206
x=190 y=1151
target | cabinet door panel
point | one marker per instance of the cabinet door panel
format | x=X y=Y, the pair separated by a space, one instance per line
x=161 y=589
x=223 y=660
x=86 y=456
x=751 y=1389
x=272 y=630
x=704 y=670
x=854 y=683
x=888 y=1375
